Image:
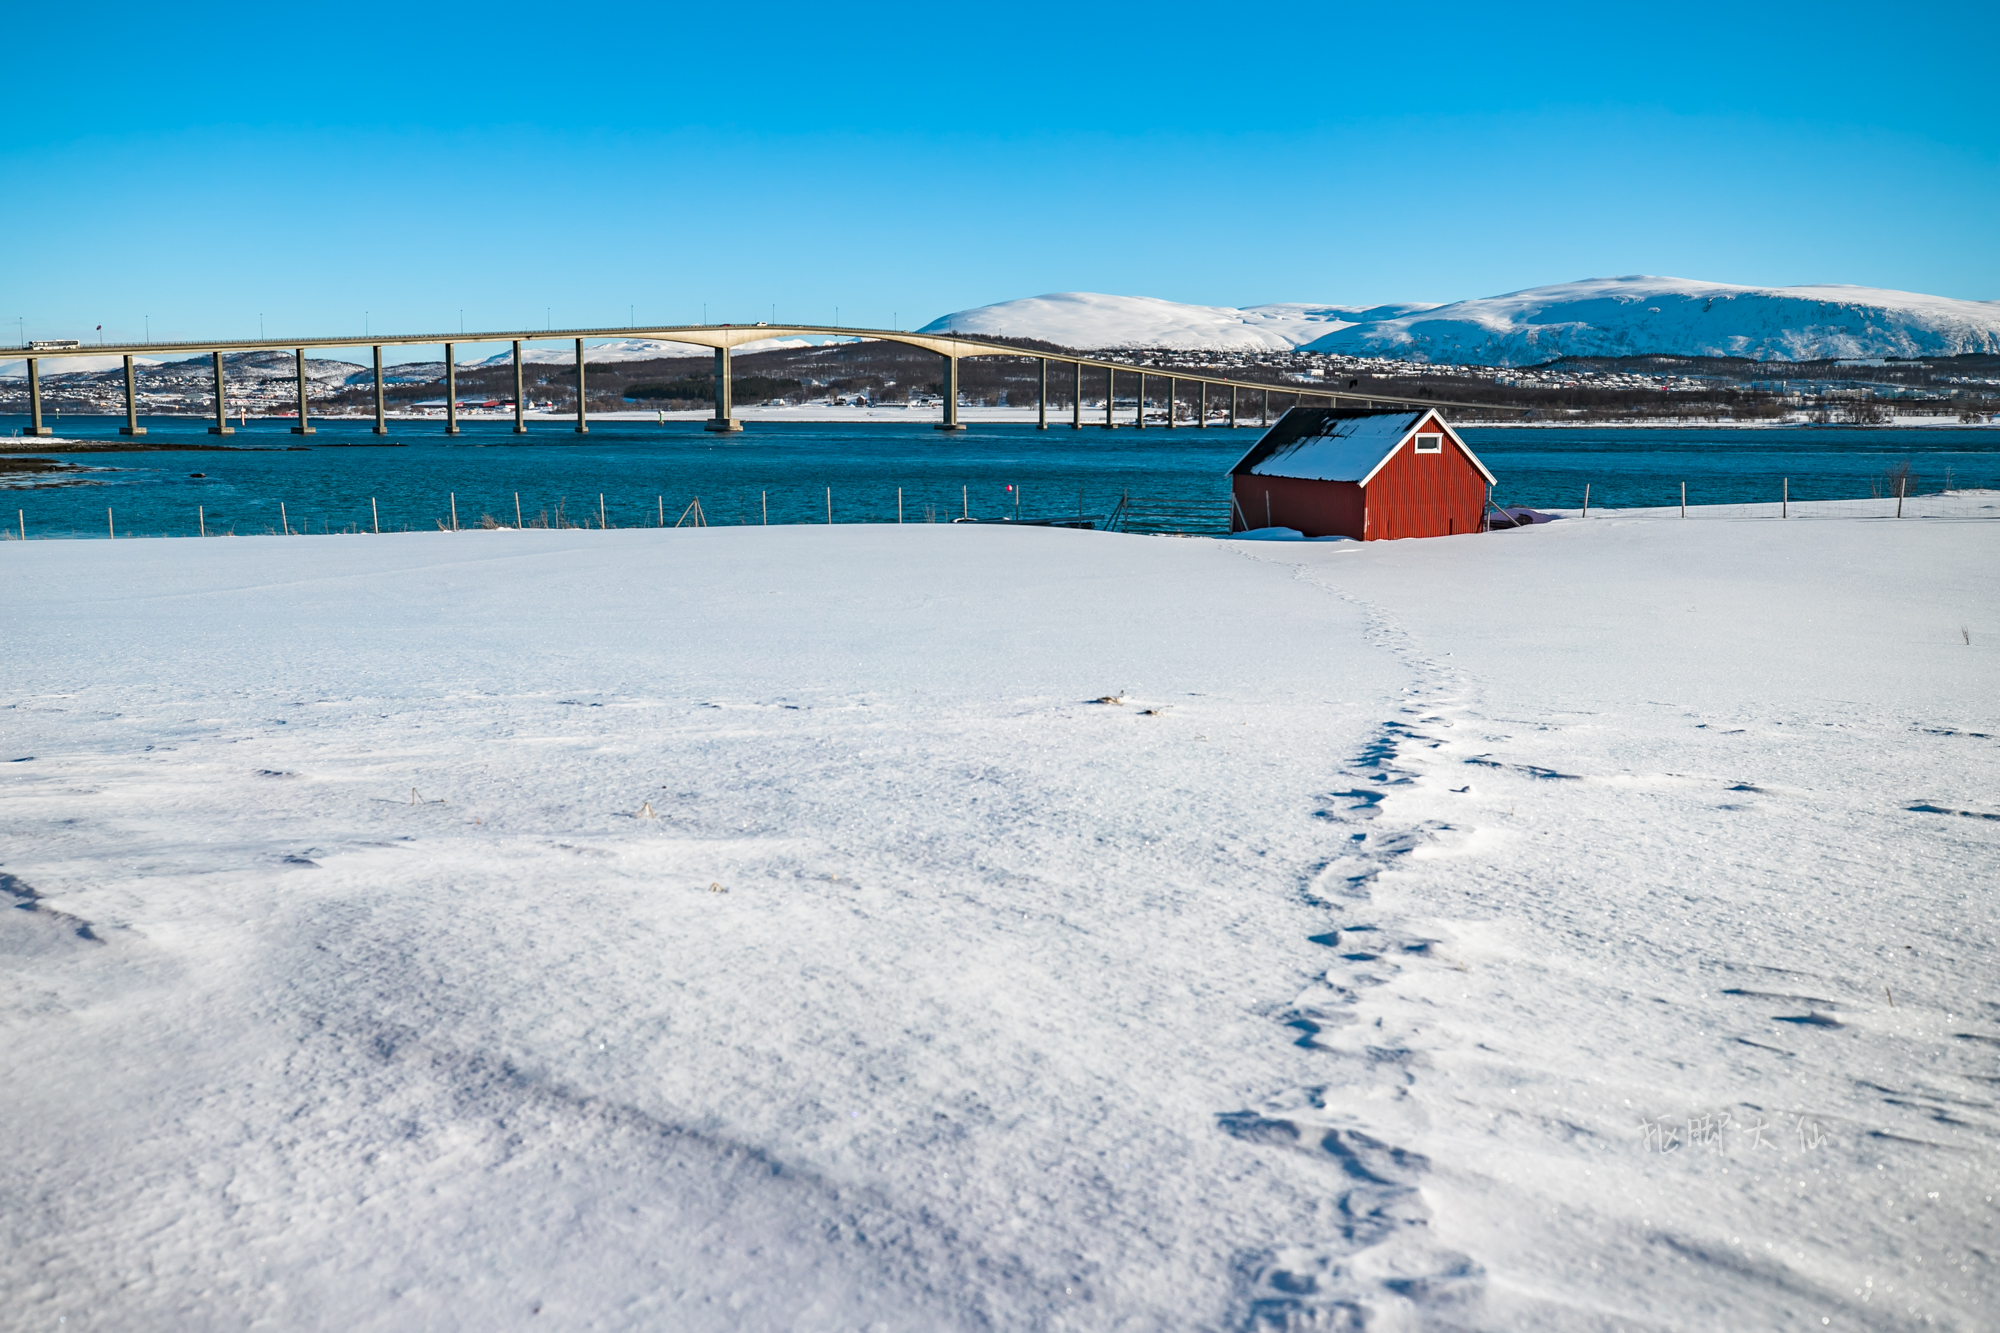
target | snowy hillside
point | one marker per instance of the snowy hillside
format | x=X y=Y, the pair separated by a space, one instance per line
x=1628 y=316
x=1094 y=320
x=1595 y=317
x=627 y=349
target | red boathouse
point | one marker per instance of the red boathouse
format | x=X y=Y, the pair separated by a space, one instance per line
x=1373 y=476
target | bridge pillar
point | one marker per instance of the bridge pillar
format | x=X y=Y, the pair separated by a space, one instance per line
x=1264 y=417
x=131 y=426
x=299 y=370
x=1110 y=393
x=1173 y=399
x=950 y=421
x=1042 y=399
x=450 y=390
x=520 y=403
x=1076 y=398
x=725 y=395
x=1202 y=413
x=1139 y=407
x=1232 y=407
x=582 y=415
x=35 y=426
x=381 y=410
x=221 y=426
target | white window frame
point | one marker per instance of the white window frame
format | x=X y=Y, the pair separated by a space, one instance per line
x=1436 y=445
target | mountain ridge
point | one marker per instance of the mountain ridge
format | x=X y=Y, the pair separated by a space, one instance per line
x=1633 y=315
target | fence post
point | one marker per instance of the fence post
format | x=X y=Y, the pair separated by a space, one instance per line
x=1902 y=484
x=899 y=489
x=1684 y=499
x=1785 y=499
x=766 y=496
x=829 y=506
x=1586 y=499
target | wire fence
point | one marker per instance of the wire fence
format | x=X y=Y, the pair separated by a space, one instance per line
x=1982 y=504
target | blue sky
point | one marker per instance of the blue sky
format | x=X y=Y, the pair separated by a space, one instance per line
x=321 y=167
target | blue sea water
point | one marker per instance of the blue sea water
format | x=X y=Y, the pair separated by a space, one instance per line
x=1170 y=480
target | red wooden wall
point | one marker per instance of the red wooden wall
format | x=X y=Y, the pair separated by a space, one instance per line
x=1425 y=495
x=1316 y=508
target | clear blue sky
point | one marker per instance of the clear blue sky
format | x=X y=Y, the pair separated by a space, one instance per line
x=208 y=164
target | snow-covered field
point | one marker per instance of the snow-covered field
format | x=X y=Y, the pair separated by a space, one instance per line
x=1583 y=927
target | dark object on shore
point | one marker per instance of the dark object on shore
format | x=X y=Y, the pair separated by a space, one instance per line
x=197 y=474
x=1517 y=517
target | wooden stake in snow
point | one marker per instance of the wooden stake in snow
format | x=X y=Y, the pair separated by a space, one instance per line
x=111 y=527
x=201 y=519
x=829 y=506
x=765 y=496
x=1785 y=499
x=1902 y=484
x=1586 y=499
x=283 y=521
x=454 y=511
x=22 y=514
x=646 y=812
x=375 y=510
x=663 y=505
x=964 y=504
x=601 y=524
x=517 y=511
x=1684 y=499
x=899 y=504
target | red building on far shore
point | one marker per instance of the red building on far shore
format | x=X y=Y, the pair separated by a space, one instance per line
x=1373 y=476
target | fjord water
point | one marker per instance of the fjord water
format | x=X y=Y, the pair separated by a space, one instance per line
x=1175 y=479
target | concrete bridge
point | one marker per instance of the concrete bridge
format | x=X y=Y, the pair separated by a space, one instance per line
x=723 y=338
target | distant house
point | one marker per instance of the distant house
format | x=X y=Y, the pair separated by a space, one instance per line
x=1373 y=476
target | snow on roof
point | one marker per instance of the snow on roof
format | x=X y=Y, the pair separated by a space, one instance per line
x=1338 y=444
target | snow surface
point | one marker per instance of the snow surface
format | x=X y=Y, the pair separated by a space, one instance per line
x=1387 y=951
x=1678 y=316
x=1094 y=320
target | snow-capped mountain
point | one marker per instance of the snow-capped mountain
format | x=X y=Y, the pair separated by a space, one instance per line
x=1596 y=317
x=1679 y=316
x=1094 y=320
